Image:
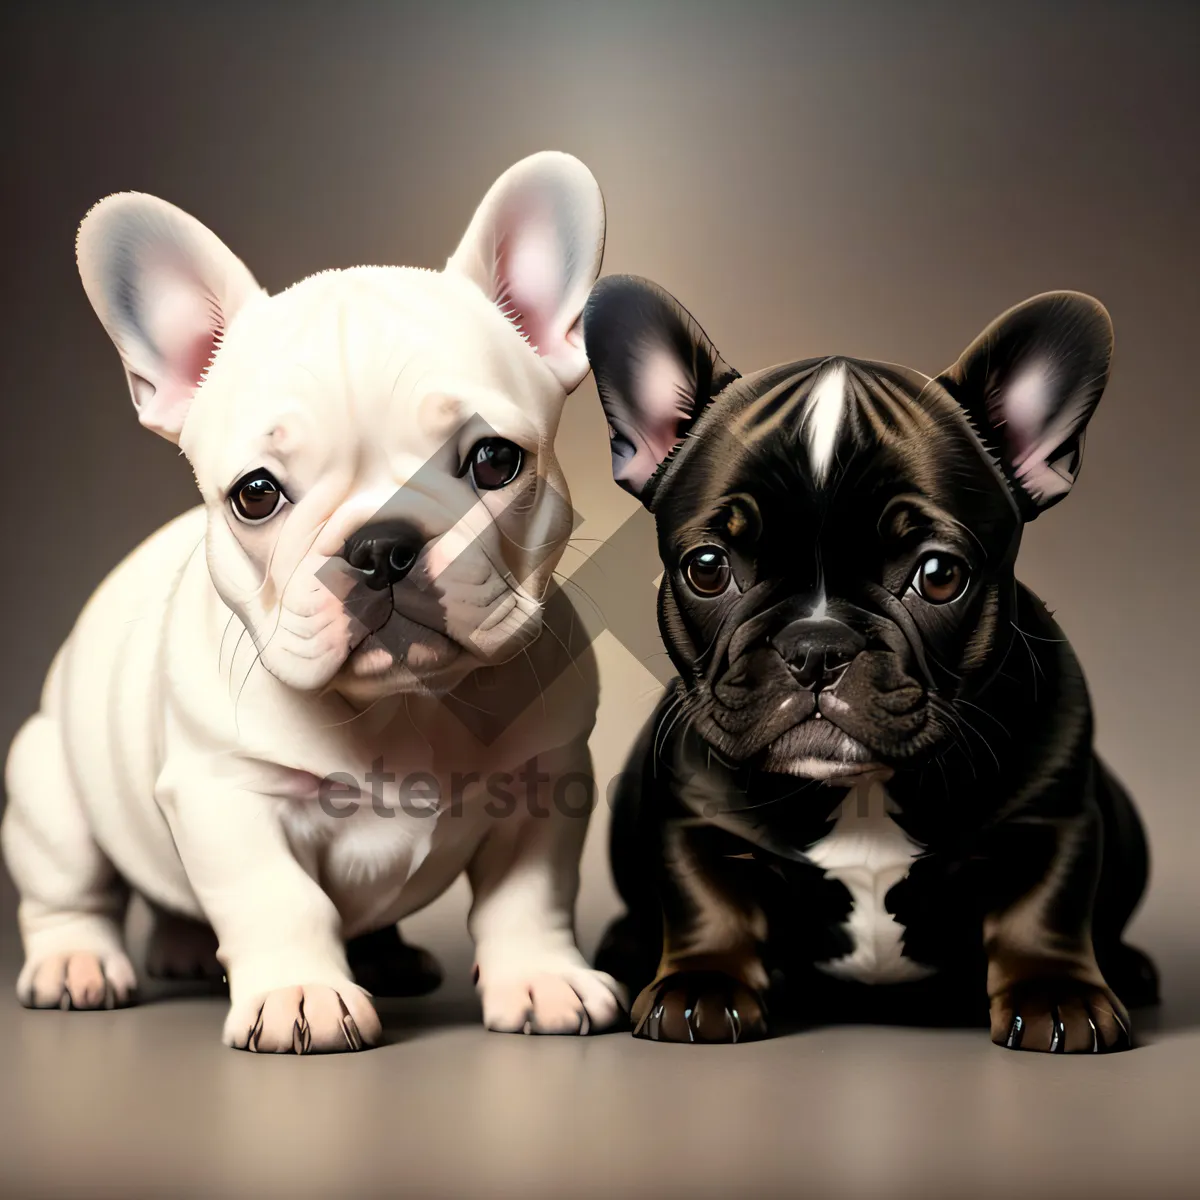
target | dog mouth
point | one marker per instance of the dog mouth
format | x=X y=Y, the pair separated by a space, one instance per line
x=796 y=731
x=400 y=647
x=793 y=735
x=816 y=748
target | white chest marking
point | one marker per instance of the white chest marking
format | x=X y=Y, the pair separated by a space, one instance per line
x=823 y=418
x=869 y=853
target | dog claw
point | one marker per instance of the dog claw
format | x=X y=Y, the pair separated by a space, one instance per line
x=255 y=1032
x=1060 y=1016
x=301 y=1033
x=1058 y=1038
x=1014 y=1034
x=701 y=1008
x=349 y=1029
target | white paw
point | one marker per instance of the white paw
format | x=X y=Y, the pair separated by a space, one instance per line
x=79 y=980
x=306 y=1019
x=564 y=1000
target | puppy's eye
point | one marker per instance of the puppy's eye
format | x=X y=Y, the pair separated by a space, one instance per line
x=494 y=462
x=256 y=497
x=707 y=571
x=941 y=578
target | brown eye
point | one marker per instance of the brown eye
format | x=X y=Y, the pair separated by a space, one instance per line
x=707 y=571
x=941 y=578
x=256 y=497
x=494 y=462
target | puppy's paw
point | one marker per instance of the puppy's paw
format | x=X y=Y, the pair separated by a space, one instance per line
x=82 y=980
x=1059 y=1016
x=179 y=949
x=306 y=1019
x=700 y=1006
x=562 y=1000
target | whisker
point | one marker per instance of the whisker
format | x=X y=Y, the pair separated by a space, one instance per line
x=680 y=712
x=354 y=716
x=995 y=720
x=537 y=680
x=413 y=724
x=672 y=705
x=574 y=658
x=1036 y=638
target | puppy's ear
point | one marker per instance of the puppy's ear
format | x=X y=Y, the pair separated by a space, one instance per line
x=655 y=371
x=534 y=246
x=165 y=288
x=1030 y=383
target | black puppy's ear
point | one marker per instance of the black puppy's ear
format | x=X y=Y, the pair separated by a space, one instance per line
x=1030 y=383
x=655 y=371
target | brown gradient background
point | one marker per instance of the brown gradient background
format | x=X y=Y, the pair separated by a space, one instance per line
x=877 y=180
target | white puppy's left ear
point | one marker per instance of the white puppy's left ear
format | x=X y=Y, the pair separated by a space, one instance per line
x=534 y=246
x=165 y=288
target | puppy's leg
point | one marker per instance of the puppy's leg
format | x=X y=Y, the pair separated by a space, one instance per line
x=279 y=934
x=710 y=982
x=72 y=900
x=181 y=949
x=1044 y=985
x=525 y=877
x=1123 y=874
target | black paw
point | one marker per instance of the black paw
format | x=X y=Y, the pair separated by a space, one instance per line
x=1060 y=1016
x=700 y=1006
x=387 y=966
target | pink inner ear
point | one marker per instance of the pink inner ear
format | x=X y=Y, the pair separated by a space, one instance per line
x=163 y=405
x=184 y=325
x=183 y=317
x=666 y=394
x=662 y=396
x=529 y=282
x=1025 y=409
x=195 y=359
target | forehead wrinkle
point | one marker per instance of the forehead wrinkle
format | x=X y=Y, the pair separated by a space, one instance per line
x=766 y=412
x=884 y=405
x=926 y=513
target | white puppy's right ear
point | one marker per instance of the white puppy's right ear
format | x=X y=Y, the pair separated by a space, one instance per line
x=534 y=247
x=165 y=288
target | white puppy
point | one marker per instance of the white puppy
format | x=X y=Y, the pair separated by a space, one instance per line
x=382 y=514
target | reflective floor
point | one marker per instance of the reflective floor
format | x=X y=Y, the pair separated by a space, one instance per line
x=146 y=1102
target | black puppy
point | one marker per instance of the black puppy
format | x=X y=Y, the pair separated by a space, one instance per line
x=876 y=766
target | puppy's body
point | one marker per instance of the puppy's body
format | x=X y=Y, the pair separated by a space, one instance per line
x=262 y=719
x=882 y=881
x=875 y=773
x=157 y=618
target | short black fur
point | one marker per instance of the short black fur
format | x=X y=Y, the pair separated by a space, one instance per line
x=872 y=647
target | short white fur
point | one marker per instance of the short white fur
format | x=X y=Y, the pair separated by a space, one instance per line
x=175 y=754
x=823 y=418
x=869 y=854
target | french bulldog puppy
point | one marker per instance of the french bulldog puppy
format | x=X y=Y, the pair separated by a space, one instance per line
x=249 y=724
x=874 y=778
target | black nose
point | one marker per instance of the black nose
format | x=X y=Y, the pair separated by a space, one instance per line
x=818 y=650
x=383 y=553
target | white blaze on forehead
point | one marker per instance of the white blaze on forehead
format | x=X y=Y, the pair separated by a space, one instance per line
x=823 y=418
